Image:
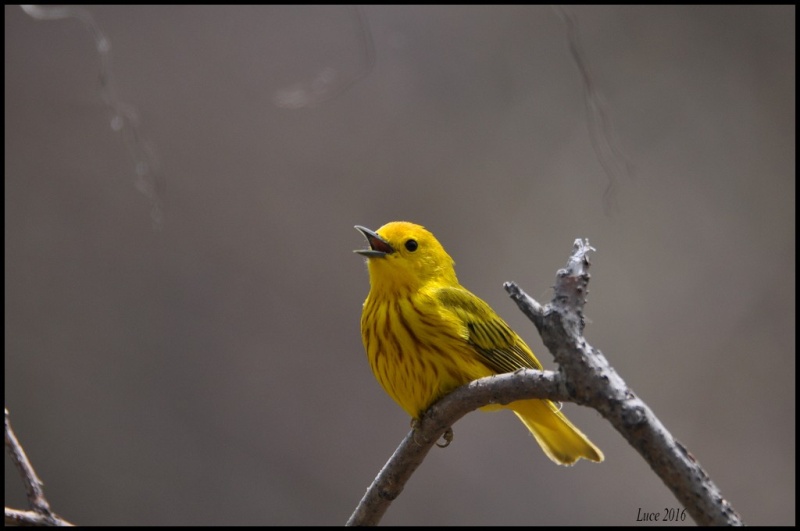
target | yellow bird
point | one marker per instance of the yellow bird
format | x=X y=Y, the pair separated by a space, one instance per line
x=426 y=335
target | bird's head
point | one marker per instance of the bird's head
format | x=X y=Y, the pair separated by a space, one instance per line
x=403 y=256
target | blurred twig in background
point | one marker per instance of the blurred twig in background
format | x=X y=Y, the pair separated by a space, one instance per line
x=601 y=128
x=123 y=117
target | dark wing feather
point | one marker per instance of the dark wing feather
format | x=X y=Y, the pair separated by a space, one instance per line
x=493 y=340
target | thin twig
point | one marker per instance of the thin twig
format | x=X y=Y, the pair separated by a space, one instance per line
x=40 y=513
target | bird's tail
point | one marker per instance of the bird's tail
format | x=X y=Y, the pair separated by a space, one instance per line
x=563 y=443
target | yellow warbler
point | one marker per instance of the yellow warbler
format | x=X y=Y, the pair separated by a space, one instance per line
x=426 y=335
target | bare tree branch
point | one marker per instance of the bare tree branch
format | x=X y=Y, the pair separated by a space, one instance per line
x=500 y=389
x=40 y=513
x=584 y=377
x=594 y=383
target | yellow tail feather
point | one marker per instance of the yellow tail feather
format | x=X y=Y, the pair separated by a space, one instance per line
x=563 y=443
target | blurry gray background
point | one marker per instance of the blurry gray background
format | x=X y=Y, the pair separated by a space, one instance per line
x=212 y=372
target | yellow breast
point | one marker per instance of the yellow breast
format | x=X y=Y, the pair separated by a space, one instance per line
x=415 y=352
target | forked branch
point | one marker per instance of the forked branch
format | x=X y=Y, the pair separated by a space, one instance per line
x=584 y=377
x=40 y=513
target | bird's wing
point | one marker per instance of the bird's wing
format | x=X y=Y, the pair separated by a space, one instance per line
x=499 y=347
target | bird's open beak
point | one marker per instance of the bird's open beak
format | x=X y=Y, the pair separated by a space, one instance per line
x=378 y=246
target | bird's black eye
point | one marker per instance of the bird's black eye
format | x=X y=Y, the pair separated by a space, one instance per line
x=411 y=245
